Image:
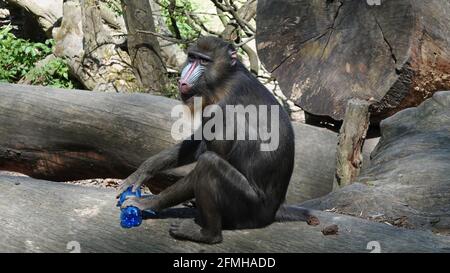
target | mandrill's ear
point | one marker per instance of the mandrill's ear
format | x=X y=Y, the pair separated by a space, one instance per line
x=233 y=55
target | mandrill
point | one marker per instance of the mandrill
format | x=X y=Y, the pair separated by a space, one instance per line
x=236 y=184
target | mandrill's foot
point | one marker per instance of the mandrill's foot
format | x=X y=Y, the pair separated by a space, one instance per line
x=189 y=230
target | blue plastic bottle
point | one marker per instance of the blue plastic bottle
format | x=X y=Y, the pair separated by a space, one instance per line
x=130 y=216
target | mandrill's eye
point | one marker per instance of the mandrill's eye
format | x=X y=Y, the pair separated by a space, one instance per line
x=204 y=62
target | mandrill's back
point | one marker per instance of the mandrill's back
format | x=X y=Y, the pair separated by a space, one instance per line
x=253 y=158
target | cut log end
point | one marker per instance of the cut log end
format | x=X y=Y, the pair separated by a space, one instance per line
x=322 y=57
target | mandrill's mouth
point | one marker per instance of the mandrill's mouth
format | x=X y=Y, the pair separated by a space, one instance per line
x=186 y=96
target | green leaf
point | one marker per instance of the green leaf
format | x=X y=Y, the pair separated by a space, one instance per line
x=18 y=58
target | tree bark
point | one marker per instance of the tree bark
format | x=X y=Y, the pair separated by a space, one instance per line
x=54 y=214
x=50 y=12
x=350 y=142
x=66 y=135
x=47 y=12
x=144 y=49
x=407 y=182
x=173 y=55
x=246 y=13
x=112 y=19
x=324 y=53
x=93 y=57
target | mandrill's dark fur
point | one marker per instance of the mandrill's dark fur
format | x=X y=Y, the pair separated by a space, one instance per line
x=235 y=184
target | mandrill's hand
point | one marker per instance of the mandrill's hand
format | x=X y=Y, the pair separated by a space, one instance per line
x=144 y=203
x=136 y=179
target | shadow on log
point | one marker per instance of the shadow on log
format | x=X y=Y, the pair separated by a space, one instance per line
x=408 y=180
x=42 y=216
x=63 y=135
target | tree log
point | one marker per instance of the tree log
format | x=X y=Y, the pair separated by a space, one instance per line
x=64 y=135
x=144 y=49
x=324 y=53
x=42 y=216
x=350 y=142
x=112 y=19
x=408 y=180
x=93 y=57
x=47 y=12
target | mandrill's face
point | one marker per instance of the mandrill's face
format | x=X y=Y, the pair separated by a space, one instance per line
x=209 y=61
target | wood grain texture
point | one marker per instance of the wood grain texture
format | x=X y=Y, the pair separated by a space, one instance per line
x=324 y=53
x=408 y=179
x=63 y=135
x=144 y=49
x=351 y=138
x=42 y=216
x=90 y=49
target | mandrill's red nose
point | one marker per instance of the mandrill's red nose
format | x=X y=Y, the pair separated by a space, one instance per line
x=183 y=86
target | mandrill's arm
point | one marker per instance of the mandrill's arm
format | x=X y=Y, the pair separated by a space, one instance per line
x=178 y=155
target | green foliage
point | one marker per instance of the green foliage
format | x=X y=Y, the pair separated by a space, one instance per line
x=187 y=30
x=54 y=73
x=115 y=6
x=18 y=58
x=171 y=90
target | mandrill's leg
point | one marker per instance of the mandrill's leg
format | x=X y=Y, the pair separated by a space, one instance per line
x=223 y=197
x=178 y=155
x=177 y=193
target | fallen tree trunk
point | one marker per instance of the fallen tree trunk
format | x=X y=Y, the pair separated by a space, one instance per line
x=64 y=135
x=323 y=55
x=46 y=12
x=49 y=12
x=408 y=180
x=42 y=216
